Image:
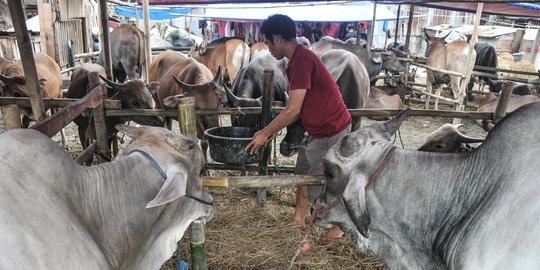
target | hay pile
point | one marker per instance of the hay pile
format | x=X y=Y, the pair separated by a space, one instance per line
x=506 y=61
x=243 y=235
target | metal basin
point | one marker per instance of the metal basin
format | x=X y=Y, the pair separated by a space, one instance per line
x=227 y=145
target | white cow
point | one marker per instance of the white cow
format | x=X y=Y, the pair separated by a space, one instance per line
x=55 y=214
x=424 y=210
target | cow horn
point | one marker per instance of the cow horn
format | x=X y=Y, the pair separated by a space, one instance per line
x=115 y=86
x=462 y=138
x=6 y=79
x=426 y=34
x=348 y=146
x=188 y=88
x=391 y=126
x=233 y=99
x=443 y=38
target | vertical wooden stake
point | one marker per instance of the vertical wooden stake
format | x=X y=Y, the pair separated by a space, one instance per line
x=103 y=146
x=186 y=122
x=12 y=116
x=502 y=104
x=266 y=118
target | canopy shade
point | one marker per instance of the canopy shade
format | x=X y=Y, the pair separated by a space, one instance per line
x=506 y=9
x=155 y=13
x=314 y=13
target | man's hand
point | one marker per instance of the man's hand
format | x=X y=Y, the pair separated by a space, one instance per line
x=259 y=141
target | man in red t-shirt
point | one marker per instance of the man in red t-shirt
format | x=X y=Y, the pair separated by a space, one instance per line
x=314 y=97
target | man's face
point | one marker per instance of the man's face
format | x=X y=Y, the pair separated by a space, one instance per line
x=275 y=46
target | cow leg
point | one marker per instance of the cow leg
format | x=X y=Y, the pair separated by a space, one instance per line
x=429 y=88
x=438 y=90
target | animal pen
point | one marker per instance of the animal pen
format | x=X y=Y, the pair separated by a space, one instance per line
x=96 y=101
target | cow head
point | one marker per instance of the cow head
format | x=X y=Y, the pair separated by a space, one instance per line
x=348 y=166
x=433 y=42
x=391 y=62
x=448 y=139
x=15 y=86
x=178 y=156
x=135 y=94
x=294 y=136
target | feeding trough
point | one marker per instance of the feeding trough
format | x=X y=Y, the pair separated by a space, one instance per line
x=227 y=145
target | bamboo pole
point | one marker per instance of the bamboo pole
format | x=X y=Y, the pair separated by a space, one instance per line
x=147 y=46
x=470 y=60
x=105 y=44
x=11 y=116
x=17 y=11
x=409 y=27
x=262 y=181
x=396 y=36
x=186 y=122
x=266 y=118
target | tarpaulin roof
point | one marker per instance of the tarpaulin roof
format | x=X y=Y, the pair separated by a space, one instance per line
x=510 y=8
x=155 y=13
x=506 y=9
x=362 y=11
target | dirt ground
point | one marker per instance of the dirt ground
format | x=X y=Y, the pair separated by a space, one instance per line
x=244 y=235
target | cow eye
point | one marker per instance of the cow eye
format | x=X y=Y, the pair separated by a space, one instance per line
x=328 y=174
x=17 y=95
x=201 y=173
x=135 y=104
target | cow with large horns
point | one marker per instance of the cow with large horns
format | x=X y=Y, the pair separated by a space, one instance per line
x=128 y=53
x=13 y=81
x=134 y=94
x=423 y=210
x=228 y=53
x=124 y=214
x=448 y=139
x=451 y=57
x=248 y=87
x=179 y=76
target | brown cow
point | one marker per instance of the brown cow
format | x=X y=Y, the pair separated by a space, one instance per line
x=14 y=83
x=230 y=53
x=257 y=47
x=133 y=95
x=127 y=53
x=179 y=75
x=452 y=57
x=489 y=104
x=381 y=100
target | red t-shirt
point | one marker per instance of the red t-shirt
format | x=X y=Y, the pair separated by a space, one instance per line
x=323 y=112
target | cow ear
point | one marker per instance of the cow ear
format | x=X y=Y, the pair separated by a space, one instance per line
x=172 y=101
x=173 y=188
x=181 y=144
x=153 y=87
x=354 y=198
x=130 y=131
x=42 y=83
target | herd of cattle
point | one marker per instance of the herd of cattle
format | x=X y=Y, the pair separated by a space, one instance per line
x=460 y=209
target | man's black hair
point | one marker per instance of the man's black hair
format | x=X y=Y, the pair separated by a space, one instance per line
x=278 y=24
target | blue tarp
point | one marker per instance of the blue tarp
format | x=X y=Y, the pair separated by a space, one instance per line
x=155 y=13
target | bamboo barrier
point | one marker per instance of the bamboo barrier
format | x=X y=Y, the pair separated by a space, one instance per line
x=24 y=102
x=262 y=181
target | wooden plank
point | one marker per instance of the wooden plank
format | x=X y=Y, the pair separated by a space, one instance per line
x=17 y=11
x=266 y=118
x=54 y=102
x=59 y=120
x=261 y=181
x=249 y=167
x=11 y=116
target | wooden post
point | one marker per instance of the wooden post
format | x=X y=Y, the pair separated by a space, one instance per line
x=396 y=36
x=516 y=42
x=535 y=46
x=186 y=122
x=147 y=46
x=470 y=60
x=12 y=116
x=502 y=104
x=106 y=44
x=266 y=118
x=103 y=146
x=409 y=27
x=17 y=11
x=371 y=28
